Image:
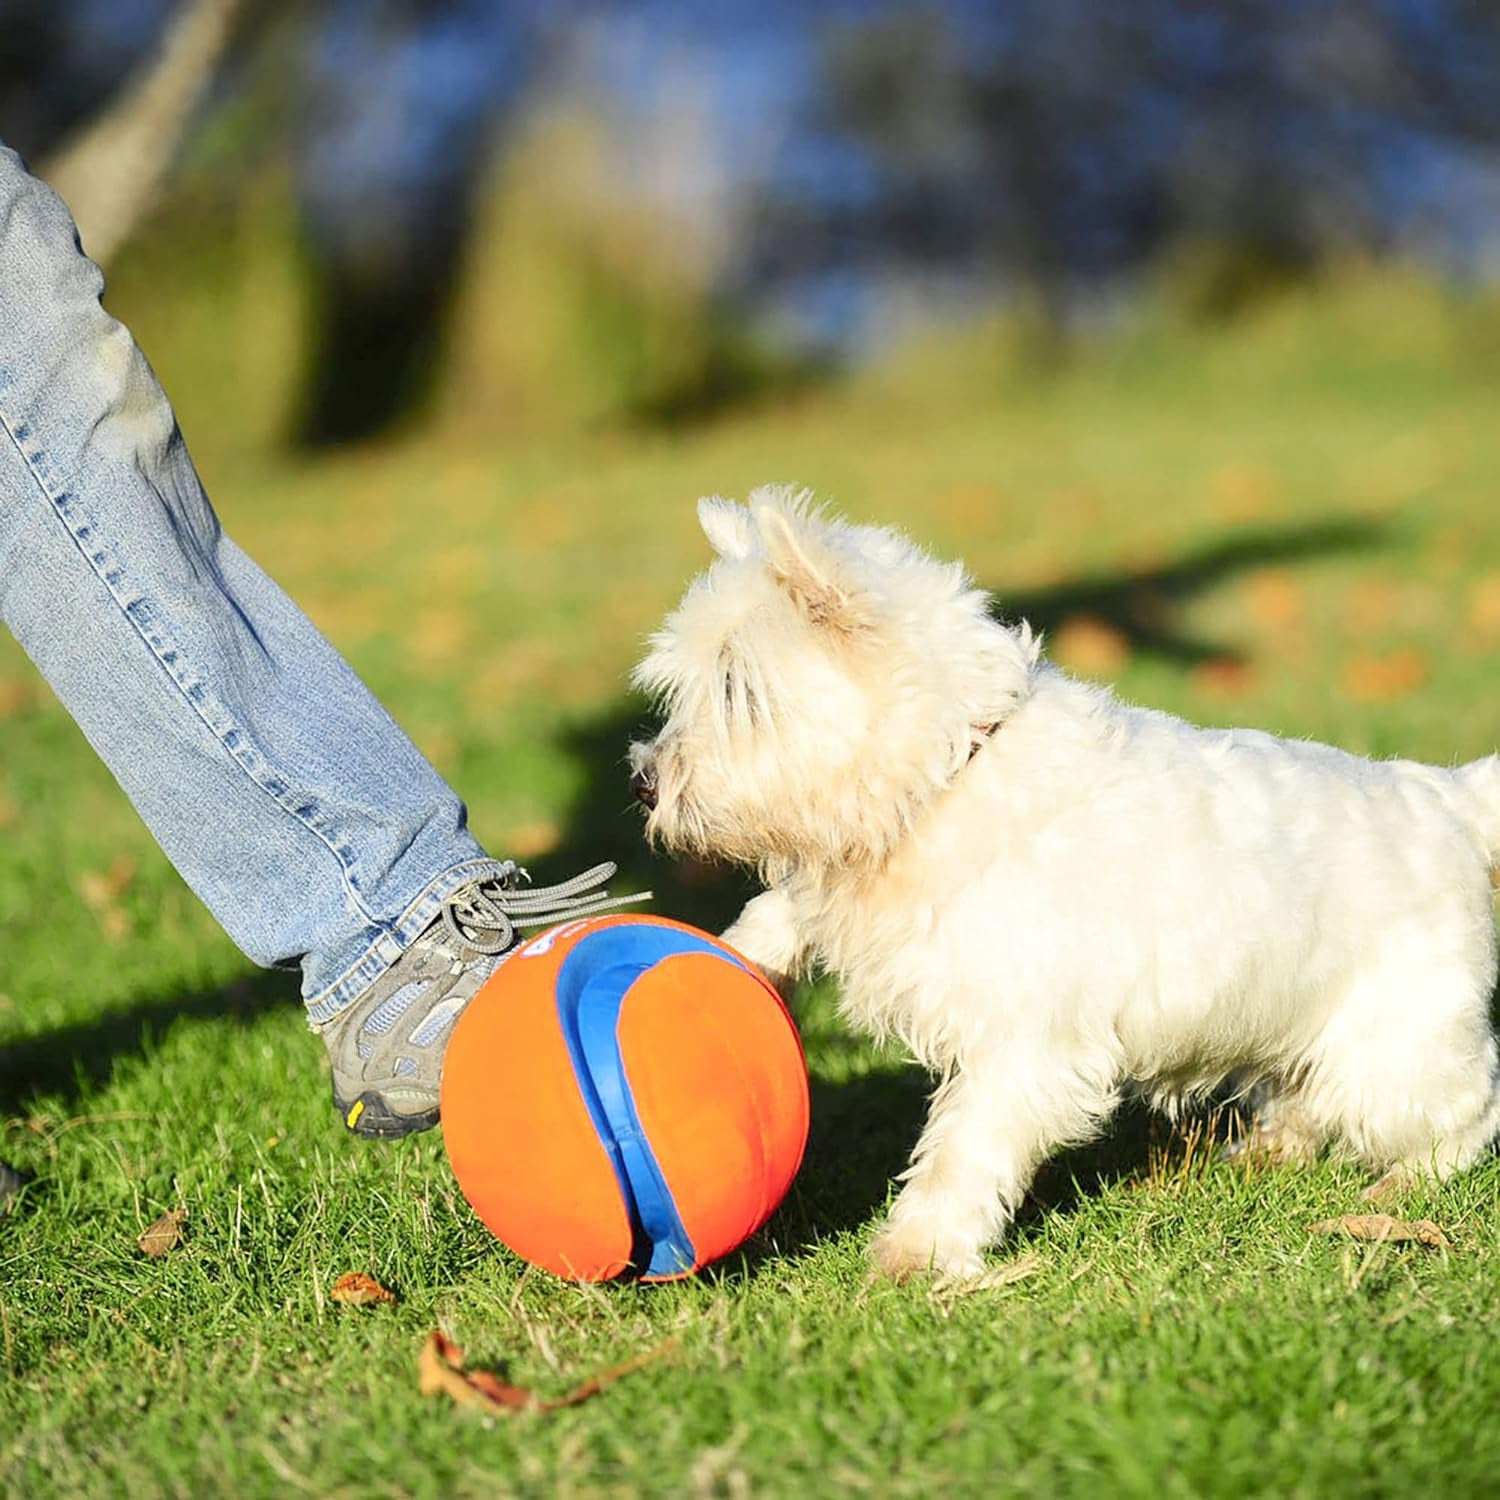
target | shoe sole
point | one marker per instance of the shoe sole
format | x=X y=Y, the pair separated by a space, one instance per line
x=372 y=1119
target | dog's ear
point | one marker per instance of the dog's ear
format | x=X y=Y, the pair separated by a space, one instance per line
x=726 y=525
x=800 y=561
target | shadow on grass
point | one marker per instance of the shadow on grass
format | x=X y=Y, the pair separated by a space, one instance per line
x=70 y=1060
x=864 y=1129
x=1143 y=604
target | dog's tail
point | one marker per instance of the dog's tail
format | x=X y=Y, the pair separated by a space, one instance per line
x=1479 y=801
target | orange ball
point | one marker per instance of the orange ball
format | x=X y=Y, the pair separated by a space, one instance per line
x=625 y=1095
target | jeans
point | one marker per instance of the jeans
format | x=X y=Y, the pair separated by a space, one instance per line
x=288 y=799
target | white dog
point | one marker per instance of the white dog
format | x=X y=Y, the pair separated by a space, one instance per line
x=1050 y=895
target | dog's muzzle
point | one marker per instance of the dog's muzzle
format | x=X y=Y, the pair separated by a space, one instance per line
x=643 y=788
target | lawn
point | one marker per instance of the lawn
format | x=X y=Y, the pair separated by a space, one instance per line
x=1293 y=522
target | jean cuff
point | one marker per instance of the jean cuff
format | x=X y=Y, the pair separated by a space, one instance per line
x=385 y=945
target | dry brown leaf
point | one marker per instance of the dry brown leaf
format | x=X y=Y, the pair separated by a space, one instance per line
x=1484 y=607
x=1383 y=1229
x=355 y=1289
x=1378 y=679
x=101 y=891
x=1242 y=491
x=163 y=1235
x=440 y=1371
x=102 y=888
x=1275 y=598
x=438 y=634
x=1223 y=677
x=970 y=506
x=1084 y=644
x=532 y=840
x=17 y=696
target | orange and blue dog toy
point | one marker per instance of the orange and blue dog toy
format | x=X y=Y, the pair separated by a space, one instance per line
x=626 y=1095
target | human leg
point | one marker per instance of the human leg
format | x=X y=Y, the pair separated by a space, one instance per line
x=288 y=798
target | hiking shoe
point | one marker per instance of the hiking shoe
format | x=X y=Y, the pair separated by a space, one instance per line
x=387 y=1045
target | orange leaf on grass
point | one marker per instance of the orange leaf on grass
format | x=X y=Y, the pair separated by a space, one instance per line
x=1274 y=597
x=1484 y=607
x=1378 y=679
x=164 y=1234
x=102 y=888
x=1383 y=1229
x=1242 y=491
x=440 y=1371
x=355 y=1289
x=1224 y=677
x=1090 y=646
x=101 y=891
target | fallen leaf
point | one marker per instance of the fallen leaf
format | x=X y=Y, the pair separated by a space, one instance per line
x=437 y=635
x=163 y=1235
x=1275 y=598
x=531 y=840
x=1383 y=1229
x=1084 y=644
x=356 y=1289
x=101 y=892
x=440 y=1372
x=1378 y=679
x=1484 y=607
x=101 y=888
x=969 y=505
x=17 y=696
x=1223 y=677
x=1241 y=491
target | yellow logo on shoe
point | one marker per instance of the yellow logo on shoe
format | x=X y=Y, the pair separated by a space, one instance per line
x=352 y=1118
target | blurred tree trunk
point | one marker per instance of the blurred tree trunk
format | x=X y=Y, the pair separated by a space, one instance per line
x=110 y=171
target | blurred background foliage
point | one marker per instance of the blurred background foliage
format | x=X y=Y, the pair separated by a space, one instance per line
x=358 y=214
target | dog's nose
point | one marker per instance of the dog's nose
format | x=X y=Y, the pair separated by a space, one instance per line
x=643 y=788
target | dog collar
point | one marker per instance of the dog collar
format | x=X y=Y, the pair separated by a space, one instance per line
x=979 y=735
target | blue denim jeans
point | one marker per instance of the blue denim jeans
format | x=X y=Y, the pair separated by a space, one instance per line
x=304 y=818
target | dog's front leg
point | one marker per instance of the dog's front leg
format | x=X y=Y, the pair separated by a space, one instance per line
x=991 y=1124
x=766 y=933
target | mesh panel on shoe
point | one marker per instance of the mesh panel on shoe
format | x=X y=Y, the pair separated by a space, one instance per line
x=385 y=1015
x=438 y=1020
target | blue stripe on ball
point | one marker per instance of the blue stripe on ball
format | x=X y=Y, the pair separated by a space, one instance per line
x=591 y=988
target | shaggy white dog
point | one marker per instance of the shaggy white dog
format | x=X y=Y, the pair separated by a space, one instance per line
x=1050 y=895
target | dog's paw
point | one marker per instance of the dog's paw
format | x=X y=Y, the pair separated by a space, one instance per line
x=902 y=1251
x=1396 y=1184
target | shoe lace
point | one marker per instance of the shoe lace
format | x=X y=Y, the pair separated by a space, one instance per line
x=486 y=915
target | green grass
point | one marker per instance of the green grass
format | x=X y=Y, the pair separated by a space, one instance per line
x=1293 y=524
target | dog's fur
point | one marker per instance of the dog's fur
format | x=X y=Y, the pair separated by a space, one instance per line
x=1050 y=895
